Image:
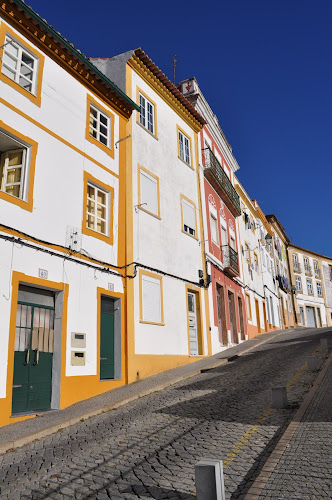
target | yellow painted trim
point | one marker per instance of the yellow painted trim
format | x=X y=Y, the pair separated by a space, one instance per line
x=196 y=290
x=142 y=70
x=17 y=278
x=85 y=230
x=179 y=129
x=249 y=312
x=34 y=98
x=140 y=168
x=56 y=136
x=107 y=150
x=183 y=197
x=138 y=92
x=26 y=205
x=142 y=272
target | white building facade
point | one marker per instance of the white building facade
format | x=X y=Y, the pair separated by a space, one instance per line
x=62 y=237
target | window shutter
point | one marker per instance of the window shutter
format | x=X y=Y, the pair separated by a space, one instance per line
x=149 y=193
x=151 y=299
x=188 y=214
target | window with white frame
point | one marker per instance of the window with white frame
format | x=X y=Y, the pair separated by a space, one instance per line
x=146 y=113
x=214 y=228
x=255 y=262
x=188 y=217
x=19 y=65
x=184 y=147
x=100 y=126
x=13 y=166
x=224 y=240
x=319 y=289
x=149 y=193
x=309 y=286
x=298 y=283
x=97 y=209
x=151 y=299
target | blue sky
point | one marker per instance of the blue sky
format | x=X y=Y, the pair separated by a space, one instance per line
x=265 y=69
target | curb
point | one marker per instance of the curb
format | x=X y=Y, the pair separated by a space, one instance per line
x=16 y=443
x=260 y=482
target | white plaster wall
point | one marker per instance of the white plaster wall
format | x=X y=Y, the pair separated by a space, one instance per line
x=82 y=299
x=58 y=188
x=160 y=244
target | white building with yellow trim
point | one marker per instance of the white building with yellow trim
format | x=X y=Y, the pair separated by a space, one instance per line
x=62 y=220
x=167 y=319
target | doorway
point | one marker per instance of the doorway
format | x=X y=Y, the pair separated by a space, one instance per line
x=194 y=323
x=232 y=318
x=258 y=319
x=265 y=319
x=33 y=350
x=241 y=318
x=222 y=328
x=311 y=317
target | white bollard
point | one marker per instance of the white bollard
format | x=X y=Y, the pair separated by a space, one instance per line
x=279 y=397
x=209 y=478
x=324 y=343
x=312 y=364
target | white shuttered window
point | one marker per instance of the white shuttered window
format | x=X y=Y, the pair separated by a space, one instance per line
x=151 y=299
x=189 y=220
x=149 y=193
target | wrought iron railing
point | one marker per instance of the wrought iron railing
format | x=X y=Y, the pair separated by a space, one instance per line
x=317 y=272
x=213 y=167
x=307 y=270
x=230 y=259
x=297 y=267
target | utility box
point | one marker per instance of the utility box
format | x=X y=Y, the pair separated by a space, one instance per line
x=77 y=358
x=78 y=339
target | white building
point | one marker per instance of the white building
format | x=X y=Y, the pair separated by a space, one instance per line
x=168 y=323
x=62 y=206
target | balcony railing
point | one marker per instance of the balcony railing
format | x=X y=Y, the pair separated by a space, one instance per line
x=297 y=267
x=317 y=273
x=230 y=260
x=214 y=172
x=307 y=270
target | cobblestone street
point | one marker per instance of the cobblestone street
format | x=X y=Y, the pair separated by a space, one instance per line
x=147 y=449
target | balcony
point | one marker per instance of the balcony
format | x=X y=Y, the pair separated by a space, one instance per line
x=216 y=175
x=307 y=270
x=297 y=267
x=230 y=260
x=318 y=274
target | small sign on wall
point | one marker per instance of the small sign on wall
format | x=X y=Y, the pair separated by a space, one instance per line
x=111 y=287
x=43 y=273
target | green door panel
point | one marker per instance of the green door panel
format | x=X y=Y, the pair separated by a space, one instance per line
x=20 y=382
x=33 y=358
x=107 y=339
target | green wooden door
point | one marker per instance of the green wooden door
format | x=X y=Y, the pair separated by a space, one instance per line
x=107 y=339
x=33 y=358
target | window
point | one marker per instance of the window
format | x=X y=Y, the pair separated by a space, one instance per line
x=17 y=163
x=255 y=261
x=151 y=298
x=224 y=240
x=309 y=286
x=263 y=257
x=98 y=212
x=306 y=265
x=319 y=288
x=148 y=192
x=214 y=229
x=298 y=283
x=147 y=113
x=188 y=212
x=184 y=147
x=21 y=65
x=248 y=306
x=100 y=126
x=247 y=252
x=232 y=243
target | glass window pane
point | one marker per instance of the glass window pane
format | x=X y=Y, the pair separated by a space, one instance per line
x=101 y=226
x=103 y=130
x=104 y=119
x=101 y=197
x=8 y=72
x=13 y=190
x=15 y=158
x=90 y=221
x=91 y=206
x=101 y=211
x=10 y=62
x=103 y=139
x=91 y=192
x=27 y=60
x=11 y=48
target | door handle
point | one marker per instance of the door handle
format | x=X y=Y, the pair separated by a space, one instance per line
x=103 y=359
x=27 y=357
x=36 y=360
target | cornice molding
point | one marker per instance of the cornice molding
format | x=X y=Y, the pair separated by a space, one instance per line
x=139 y=67
x=15 y=16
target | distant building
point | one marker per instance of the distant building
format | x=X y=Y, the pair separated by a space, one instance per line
x=221 y=208
x=307 y=274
